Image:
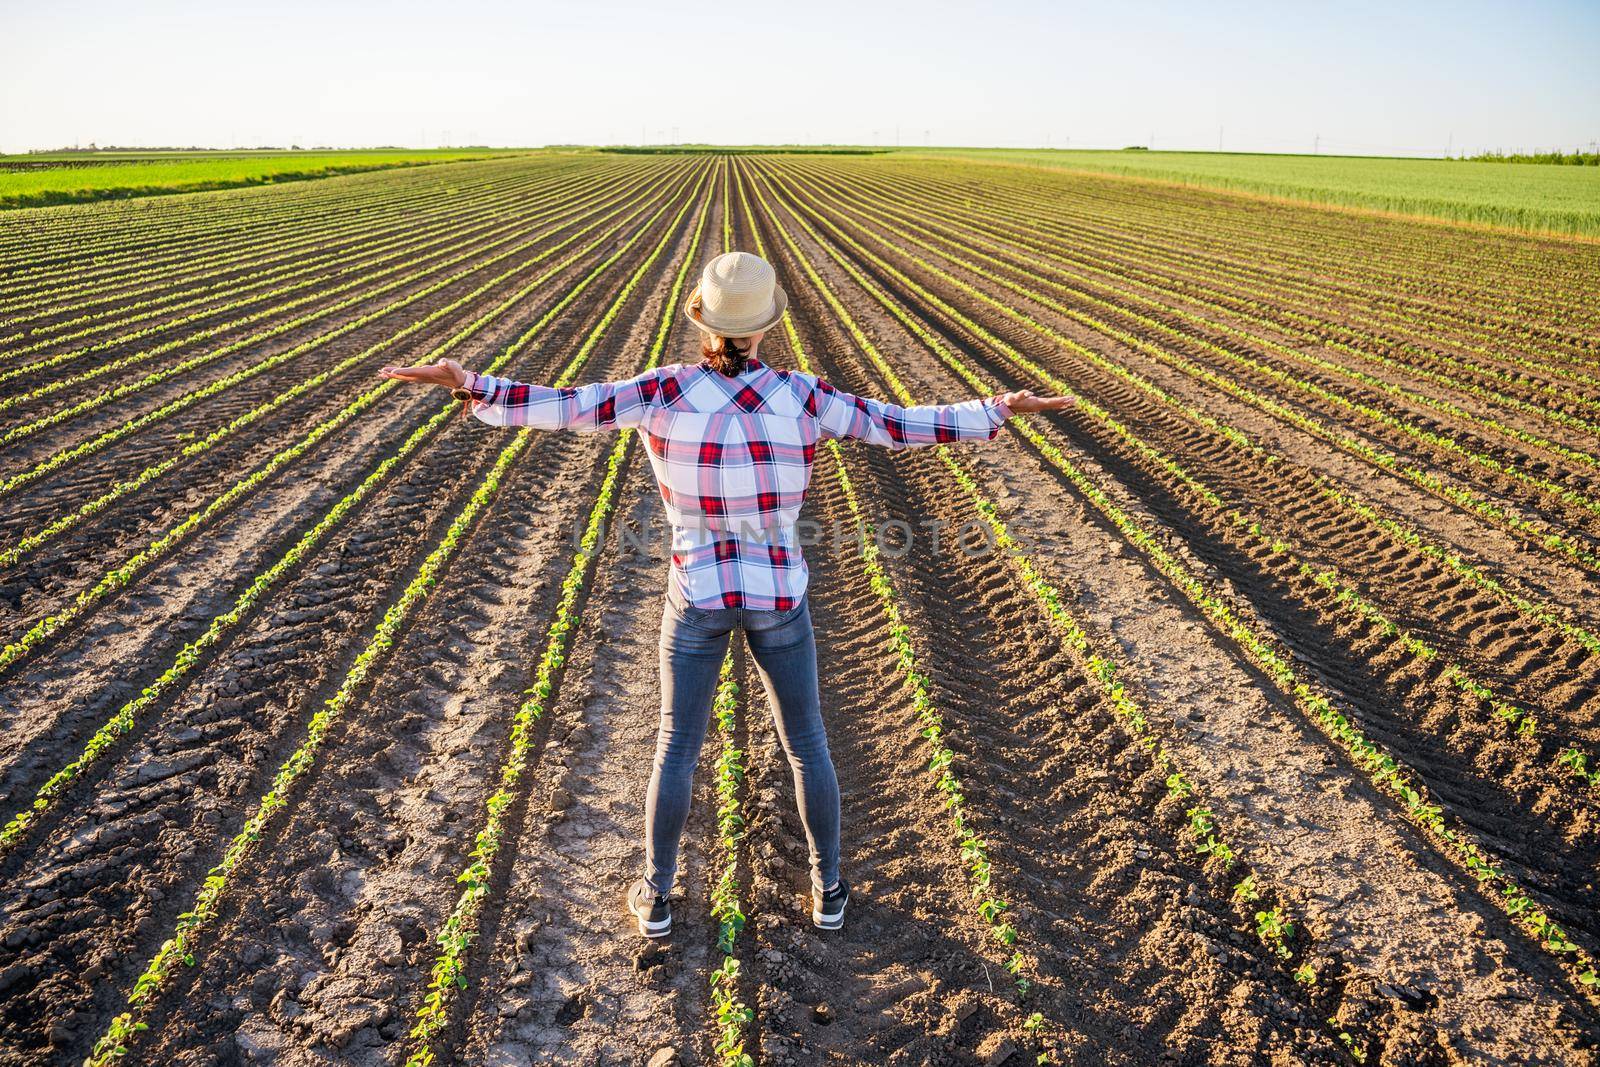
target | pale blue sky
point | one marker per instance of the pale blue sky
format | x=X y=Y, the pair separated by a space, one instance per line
x=1369 y=77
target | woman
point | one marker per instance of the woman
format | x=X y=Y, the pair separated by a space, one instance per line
x=731 y=441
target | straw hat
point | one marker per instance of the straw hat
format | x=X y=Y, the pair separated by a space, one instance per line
x=738 y=295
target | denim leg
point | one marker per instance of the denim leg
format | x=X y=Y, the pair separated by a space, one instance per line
x=785 y=652
x=692 y=646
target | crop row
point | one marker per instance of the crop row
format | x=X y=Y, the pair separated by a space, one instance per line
x=1081 y=223
x=187 y=939
x=1449 y=290
x=237 y=251
x=407 y=239
x=108 y=437
x=731 y=1016
x=34 y=540
x=1314 y=331
x=229 y=255
x=1538 y=533
x=1564 y=761
x=37 y=235
x=1561 y=755
x=73 y=284
x=147 y=281
x=146 y=284
x=192 y=654
x=122 y=575
x=1435 y=439
x=499 y=236
x=447 y=236
x=1383 y=769
x=217 y=226
x=459 y=931
x=1269 y=298
x=1368 y=264
x=1344 y=498
x=1273 y=925
x=974 y=853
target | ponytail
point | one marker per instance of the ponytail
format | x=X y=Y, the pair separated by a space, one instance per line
x=726 y=355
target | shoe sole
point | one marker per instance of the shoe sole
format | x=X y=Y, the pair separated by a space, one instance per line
x=828 y=922
x=658 y=928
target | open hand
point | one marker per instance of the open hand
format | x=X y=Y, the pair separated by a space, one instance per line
x=446 y=372
x=1023 y=402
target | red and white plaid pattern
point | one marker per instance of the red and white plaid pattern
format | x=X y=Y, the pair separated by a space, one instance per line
x=733 y=458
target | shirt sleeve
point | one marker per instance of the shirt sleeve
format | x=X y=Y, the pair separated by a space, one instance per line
x=841 y=414
x=598 y=406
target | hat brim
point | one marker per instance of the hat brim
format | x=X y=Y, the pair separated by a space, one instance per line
x=724 y=328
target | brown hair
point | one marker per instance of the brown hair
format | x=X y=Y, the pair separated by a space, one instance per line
x=726 y=355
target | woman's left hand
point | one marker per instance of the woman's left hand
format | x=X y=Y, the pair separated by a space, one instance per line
x=1023 y=402
x=446 y=372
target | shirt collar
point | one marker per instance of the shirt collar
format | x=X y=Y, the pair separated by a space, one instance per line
x=751 y=364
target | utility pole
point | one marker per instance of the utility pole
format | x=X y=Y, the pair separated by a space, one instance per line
x=1450 y=143
x=1316 y=144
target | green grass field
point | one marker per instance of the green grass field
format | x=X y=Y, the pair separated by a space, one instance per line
x=1522 y=196
x=112 y=174
x=1540 y=198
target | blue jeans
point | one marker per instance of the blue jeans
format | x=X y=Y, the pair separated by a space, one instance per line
x=693 y=642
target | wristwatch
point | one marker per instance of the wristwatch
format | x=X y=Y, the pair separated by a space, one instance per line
x=461 y=392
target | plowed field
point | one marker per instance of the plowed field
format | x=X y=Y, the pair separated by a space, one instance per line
x=1246 y=712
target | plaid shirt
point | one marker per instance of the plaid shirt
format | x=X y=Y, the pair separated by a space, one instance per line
x=733 y=458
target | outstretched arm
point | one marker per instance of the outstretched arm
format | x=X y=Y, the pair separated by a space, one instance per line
x=892 y=426
x=503 y=402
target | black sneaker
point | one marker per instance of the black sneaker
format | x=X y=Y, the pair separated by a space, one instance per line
x=654 y=913
x=827 y=909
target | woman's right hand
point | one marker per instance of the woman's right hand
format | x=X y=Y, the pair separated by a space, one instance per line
x=446 y=372
x=1023 y=402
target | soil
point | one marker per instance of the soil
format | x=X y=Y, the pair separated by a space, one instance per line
x=1138 y=948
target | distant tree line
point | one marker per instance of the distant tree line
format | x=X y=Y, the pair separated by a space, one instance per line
x=1570 y=159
